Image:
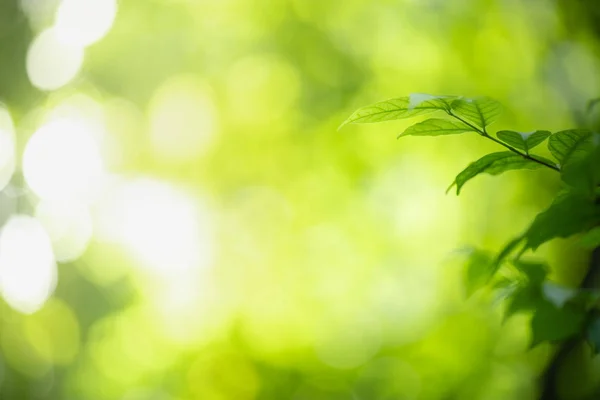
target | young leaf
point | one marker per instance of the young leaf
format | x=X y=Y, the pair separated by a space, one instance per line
x=478 y=270
x=402 y=107
x=570 y=213
x=523 y=140
x=493 y=164
x=481 y=111
x=570 y=145
x=553 y=324
x=436 y=127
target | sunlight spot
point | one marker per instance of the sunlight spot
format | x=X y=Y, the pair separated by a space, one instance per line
x=161 y=226
x=416 y=99
x=62 y=160
x=51 y=63
x=69 y=226
x=7 y=147
x=525 y=135
x=182 y=119
x=27 y=267
x=82 y=23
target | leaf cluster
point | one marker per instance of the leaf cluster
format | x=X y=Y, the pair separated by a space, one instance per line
x=558 y=312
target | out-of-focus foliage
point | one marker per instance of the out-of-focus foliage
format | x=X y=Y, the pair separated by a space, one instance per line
x=214 y=237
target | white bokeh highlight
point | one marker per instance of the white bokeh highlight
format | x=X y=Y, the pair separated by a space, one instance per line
x=52 y=63
x=168 y=231
x=28 y=271
x=69 y=226
x=62 y=160
x=84 y=22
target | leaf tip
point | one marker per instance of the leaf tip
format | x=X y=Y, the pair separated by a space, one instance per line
x=343 y=124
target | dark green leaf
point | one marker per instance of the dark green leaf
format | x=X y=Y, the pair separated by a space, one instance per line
x=591 y=239
x=402 y=107
x=504 y=288
x=481 y=111
x=528 y=294
x=507 y=250
x=523 y=299
x=478 y=270
x=584 y=174
x=570 y=213
x=523 y=140
x=493 y=164
x=553 y=324
x=436 y=127
x=593 y=333
x=535 y=272
x=570 y=145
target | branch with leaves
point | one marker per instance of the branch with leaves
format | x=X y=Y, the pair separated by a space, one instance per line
x=559 y=312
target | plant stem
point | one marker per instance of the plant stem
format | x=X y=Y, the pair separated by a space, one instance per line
x=486 y=135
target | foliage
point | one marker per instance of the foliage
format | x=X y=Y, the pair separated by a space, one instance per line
x=559 y=312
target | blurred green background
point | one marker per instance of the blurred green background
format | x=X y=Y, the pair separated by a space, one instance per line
x=181 y=219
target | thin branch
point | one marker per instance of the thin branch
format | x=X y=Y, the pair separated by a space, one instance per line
x=486 y=135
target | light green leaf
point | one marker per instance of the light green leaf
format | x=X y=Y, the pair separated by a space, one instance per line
x=436 y=127
x=591 y=239
x=481 y=111
x=550 y=323
x=570 y=213
x=400 y=108
x=570 y=145
x=523 y=140
x=478 y=270
x=493 y=164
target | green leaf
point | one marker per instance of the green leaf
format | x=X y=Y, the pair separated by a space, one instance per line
x=436 y=127
x=508 y=249
x=523 y=299
x=584 y=174
x=570 y=213
x=535 y=272
x=478 y=270
x=557 y=294
x=481 y=111
x=570 y=145
x=523 y=140
x=493 y=164
x=528 y=293
x=400 y=108
x=591 y=239
x=550 y=323
x=593 y=333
